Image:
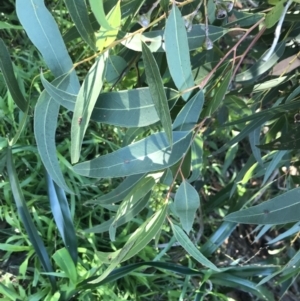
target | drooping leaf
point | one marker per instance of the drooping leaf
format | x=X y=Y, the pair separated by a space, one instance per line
x=130 y=201
x=79 y=15
x=129 y=108
x=137 y=241
x=252 y=74
x=127 y=217
x=64 y=261
x=197 y=159
x=186 y=243
x=10 y=80
x=189 y=114
x=98 y=11
x=43 y=31
x=177 y=52
x=254 y=138
x=105 y=37
x=85 y=103
x=62 y=216
x=45 y=123
x=149 y=154
x=25 y=217
x=279 y=210
x=219 y=95
x=157 y=91
x=186 y=203
x=118 y=194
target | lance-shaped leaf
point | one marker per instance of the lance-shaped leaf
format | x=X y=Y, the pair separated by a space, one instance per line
x=137 y=241
x=105 y=37
x=9 y=76
x=43 y=31
x=279 y=210
x=98 y=10
x=118 y=194
x=62 y=216
x=189 y=115
x=177 y=52
x=150 y=154
x=186 y=243
x=186 y=204
x=127 y=217
x=157 y=91
x=45 y=123
x=79 y=15
x=115 y=67
x=130 y=201
x=129 y=108
x=24 y=214
x=252 y=74
x=85 y=103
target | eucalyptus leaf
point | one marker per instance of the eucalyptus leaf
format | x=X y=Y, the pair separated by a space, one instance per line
x=279 y=210
x=186 y=202
x=150 y=154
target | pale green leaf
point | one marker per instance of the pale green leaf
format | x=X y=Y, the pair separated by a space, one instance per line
x=85 y=102
x=150 y=154
x=186 y=202
x=130 y=201
x=80 y=17
x=187 y=118
x=177 y=52
x=157 y=91
x=186 y=243
x=279 y=210
x=98 y=11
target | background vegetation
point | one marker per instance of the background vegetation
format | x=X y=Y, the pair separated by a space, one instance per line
x=149 y=150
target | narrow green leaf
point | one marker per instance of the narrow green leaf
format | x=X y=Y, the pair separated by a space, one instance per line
x=273 y=16
x=85 y=103
x=150 y=154
x=252 y=74
x=62 y=216
x=118 y=194
x=10 y=79
x=98 y=11
x=273 y=165
x=45 y=123
x=105 y=37
x=64 y=261
x=177 y=52
x=157 y=91
x=79 y=15
x=254 y=138
x=43 y=31
x=185 y=242
x=127 y=217
x=219 y=95
x=197 y=159
x=189 y=114
x=186 y=202
x=279 y=210
x=128 y=108
x=26 y=218
x=130 y=201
